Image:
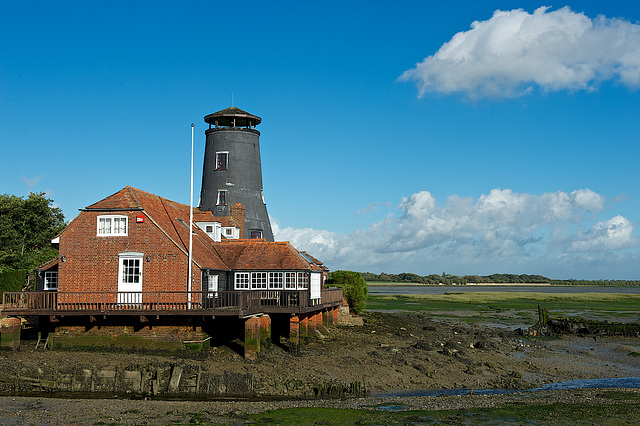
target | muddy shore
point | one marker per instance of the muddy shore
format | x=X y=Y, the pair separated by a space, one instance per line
x=391 y=352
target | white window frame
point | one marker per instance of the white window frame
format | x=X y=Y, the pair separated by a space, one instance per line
x=212 y=229
x=241 y=280
x=290 y=282
x=258 y=281
x=218 y=153
x=276 y=280
x=231 y=232
x=303 y=281
x=51 y=280
x=220 y=192
x=103 y=231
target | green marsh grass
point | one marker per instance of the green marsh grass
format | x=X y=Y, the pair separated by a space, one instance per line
x=623 y=409
x=518 y=304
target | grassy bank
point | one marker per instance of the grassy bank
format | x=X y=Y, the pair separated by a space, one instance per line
x=614 y=407
x=513 y=305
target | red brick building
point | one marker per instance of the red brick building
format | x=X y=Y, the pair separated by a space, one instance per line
x=126 y=257
x=135 y=241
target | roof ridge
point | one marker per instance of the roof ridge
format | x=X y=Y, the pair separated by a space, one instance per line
x=134 y=196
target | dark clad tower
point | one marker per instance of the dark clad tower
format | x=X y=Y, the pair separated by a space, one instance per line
x=232 y=172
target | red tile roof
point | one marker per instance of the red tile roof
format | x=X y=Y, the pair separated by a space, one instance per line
x=172 y=219
x=123 y=199
x=261 y=255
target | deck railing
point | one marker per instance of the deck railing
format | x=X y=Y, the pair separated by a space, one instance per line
x=49 y=302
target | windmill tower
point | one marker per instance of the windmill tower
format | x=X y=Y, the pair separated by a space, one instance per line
x=232 y=172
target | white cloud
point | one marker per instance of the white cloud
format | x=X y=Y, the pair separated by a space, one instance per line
x=613 y=234
x=514 y=51
x=499 y=232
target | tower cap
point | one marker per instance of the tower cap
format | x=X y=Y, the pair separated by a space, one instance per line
x=227 y=116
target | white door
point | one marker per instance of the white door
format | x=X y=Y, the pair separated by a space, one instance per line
x=316 y=286
x=130 y=279
x=212 y=285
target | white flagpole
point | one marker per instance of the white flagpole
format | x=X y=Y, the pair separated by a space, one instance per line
x=190 y=226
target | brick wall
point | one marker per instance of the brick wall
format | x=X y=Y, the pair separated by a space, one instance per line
x=237 y=213
x=91 y=262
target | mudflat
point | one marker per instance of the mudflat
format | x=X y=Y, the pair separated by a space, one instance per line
x=392 y=352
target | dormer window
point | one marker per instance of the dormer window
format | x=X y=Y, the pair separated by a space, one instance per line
x=112 y=225
x=255 y=233
x=212 y=229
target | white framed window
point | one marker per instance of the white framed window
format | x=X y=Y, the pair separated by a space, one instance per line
x=290 y=280
x=241 y=281
x=303 y=281
x=222 y=197
x=212 y=229
x=275 y=280
x=222 y=160
x=51 y=280
x=131 y=271
x=258 y=280
x=231 y=232
x=112 y=225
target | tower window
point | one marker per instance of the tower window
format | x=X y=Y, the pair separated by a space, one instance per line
x=222 y=197
x=255 y=233
x=222 y=160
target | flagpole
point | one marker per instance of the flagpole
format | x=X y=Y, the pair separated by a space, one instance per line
x=190 y=226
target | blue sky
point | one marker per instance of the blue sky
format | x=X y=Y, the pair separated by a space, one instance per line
x=396 y=137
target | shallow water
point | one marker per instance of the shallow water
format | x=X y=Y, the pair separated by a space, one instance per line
x=619 y=382
x=442 y=289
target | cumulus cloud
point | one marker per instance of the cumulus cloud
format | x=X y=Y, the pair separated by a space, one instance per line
x=515 y=51
x=498 y=231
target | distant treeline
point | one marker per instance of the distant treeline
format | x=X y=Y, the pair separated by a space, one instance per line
x=449 y=279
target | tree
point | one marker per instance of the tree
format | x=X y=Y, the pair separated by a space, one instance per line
x=27 y=226
x=354 y=287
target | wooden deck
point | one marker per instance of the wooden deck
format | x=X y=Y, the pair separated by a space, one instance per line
x=236 y=303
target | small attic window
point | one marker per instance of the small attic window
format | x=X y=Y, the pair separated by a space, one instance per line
x=255 y=233
x=212 y=229
x=112 y=226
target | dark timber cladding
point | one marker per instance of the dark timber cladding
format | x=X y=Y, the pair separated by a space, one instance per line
x=232 y=172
